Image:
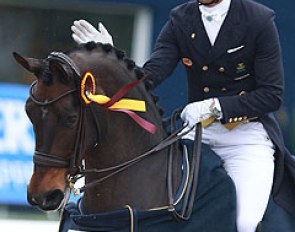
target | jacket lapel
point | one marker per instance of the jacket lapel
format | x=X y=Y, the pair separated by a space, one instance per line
x=230 y=34
x=195 y=33
x=201 y=42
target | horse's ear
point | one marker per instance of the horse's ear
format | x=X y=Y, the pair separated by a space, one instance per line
x=31 y=64
x=62 y=71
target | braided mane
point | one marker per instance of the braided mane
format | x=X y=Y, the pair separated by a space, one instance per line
x=129 y=64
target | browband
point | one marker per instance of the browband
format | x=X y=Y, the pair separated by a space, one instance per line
x=65 y=59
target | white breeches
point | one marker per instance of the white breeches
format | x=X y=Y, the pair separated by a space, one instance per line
x=248 y=157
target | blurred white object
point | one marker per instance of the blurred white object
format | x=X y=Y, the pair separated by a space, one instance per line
x=75 y=231
x=84 y=32
x=27 y=225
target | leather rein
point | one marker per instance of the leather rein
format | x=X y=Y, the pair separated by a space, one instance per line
x=74 y=163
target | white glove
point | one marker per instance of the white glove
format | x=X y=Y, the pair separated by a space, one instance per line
x=197 y=112
x=84 y=32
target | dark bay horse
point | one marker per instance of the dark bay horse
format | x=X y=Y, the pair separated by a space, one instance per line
x=107 y=138
x=73 y=137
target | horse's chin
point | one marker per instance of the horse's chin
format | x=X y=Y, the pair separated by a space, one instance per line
x=50 y=201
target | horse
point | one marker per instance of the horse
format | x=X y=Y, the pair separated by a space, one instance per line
x=129 y=172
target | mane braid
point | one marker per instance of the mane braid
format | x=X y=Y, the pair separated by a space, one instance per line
x=90 y=45
x=120 y=54
x=129 y=63
x=107 y=47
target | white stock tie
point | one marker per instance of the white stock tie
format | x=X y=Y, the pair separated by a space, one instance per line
x=212 y=17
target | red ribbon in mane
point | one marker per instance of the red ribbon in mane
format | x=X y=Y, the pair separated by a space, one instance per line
x=151 y=128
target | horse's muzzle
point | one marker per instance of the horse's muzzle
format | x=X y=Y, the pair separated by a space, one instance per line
x=47 y=201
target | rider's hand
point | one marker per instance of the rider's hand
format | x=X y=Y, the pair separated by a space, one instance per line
x=197 y=112
x=84 y=32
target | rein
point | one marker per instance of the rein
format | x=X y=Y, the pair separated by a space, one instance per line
x=190 y=194
x=123 y=166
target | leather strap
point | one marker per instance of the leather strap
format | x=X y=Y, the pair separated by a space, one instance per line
x=190 y=194
x=123 y=166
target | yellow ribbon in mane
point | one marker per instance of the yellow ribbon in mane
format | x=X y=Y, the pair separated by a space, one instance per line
x=128 y=104
x=89 y=96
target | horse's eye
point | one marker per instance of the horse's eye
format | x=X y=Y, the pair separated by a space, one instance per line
x=70 y=120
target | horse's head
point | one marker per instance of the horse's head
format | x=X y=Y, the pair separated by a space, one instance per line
x=60 y=119
x=53 y=108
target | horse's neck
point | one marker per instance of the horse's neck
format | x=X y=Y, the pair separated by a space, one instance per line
x=142 y=185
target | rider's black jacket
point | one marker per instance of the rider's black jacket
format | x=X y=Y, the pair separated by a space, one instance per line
x=243 y=70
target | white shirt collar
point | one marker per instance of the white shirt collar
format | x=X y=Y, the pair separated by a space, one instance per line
x=219 y=9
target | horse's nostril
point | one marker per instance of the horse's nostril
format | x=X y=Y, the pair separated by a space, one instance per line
x=55 y=195
x=52 y=200
x=47 y=201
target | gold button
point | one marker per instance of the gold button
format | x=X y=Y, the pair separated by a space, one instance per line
x=224 y=89
x=242 y=93
x=240 y=119
x=235 y=119
x=205 y=68
x=193 y=35
x=206 y=90
x=230 y=120
x=221 y=69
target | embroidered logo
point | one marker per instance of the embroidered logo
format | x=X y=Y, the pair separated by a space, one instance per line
x=241 y=67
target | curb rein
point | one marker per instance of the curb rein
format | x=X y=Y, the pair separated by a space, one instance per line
x=190 y=191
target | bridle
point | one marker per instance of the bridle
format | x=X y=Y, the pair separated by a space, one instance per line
x=53 y=161
x=50 y=102
x=44 y=159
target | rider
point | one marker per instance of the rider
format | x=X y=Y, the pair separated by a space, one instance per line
x=232 y=56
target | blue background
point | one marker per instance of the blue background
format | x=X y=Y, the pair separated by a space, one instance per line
x=15 y=156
